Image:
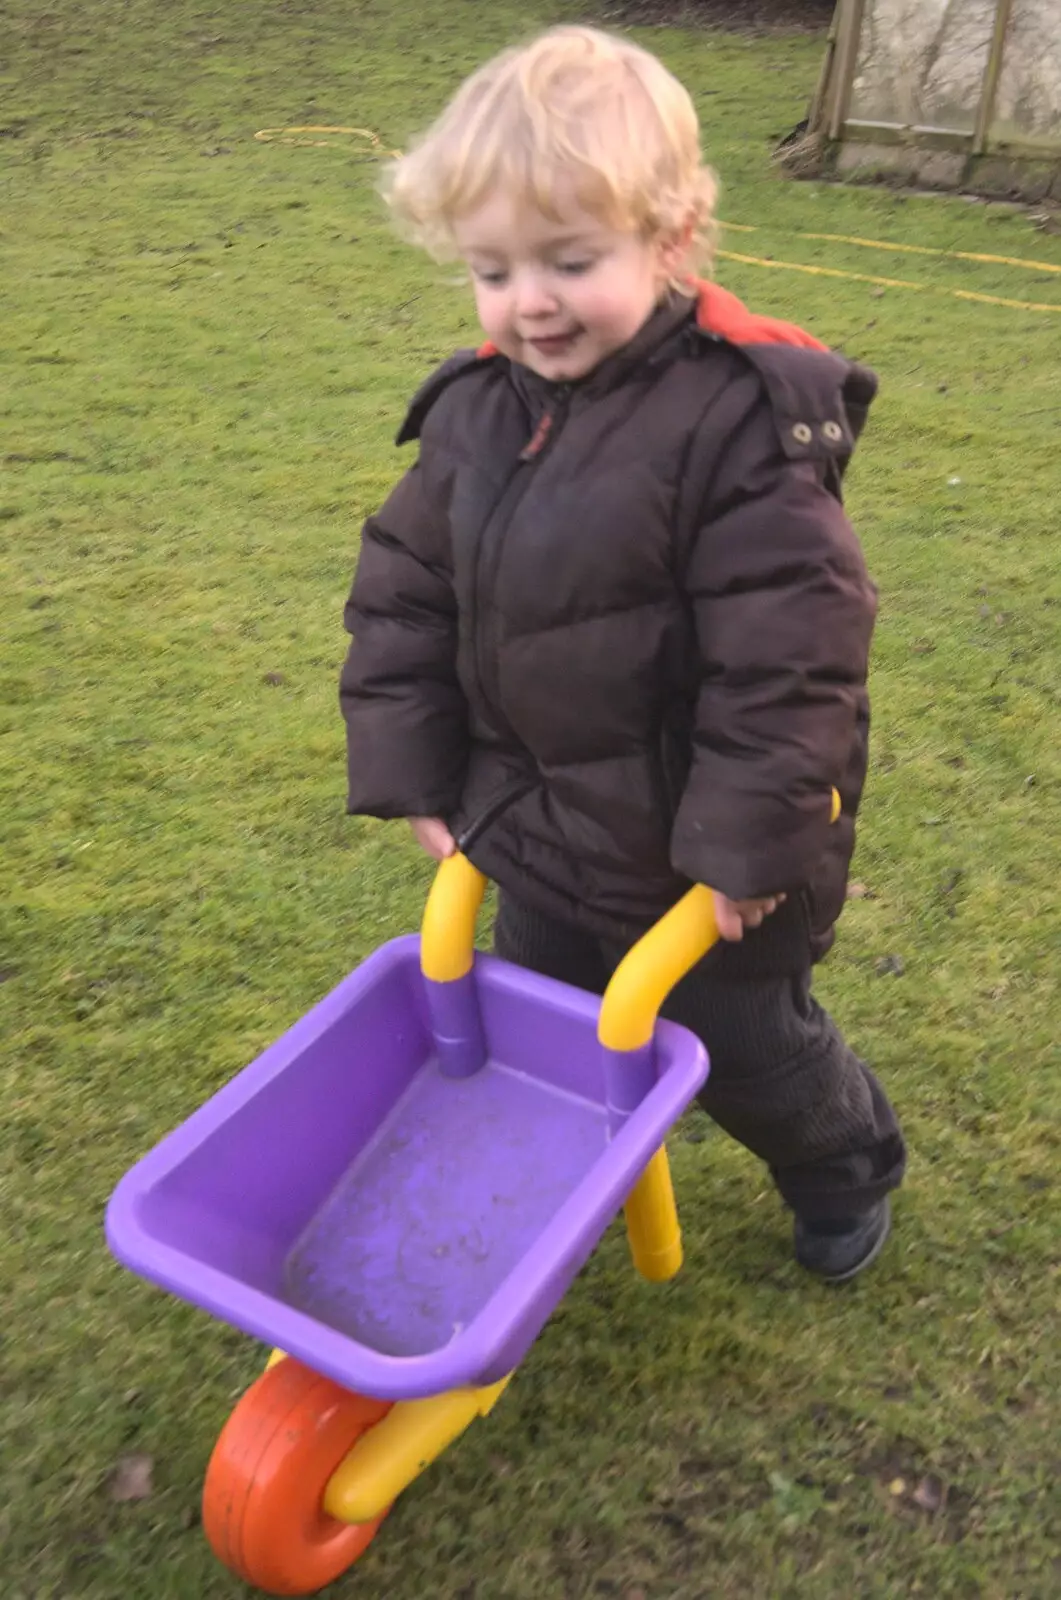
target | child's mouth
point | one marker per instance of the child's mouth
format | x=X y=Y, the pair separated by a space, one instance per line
x=556 y=344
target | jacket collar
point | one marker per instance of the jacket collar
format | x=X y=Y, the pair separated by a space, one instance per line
x=651 y=343
x=712 y=314
x=714 y=311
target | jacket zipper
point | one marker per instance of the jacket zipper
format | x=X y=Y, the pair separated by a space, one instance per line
x=549 y=426
x=498 y=806
x=538 y=439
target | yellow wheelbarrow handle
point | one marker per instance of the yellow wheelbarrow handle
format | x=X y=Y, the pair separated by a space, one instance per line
x=642 y=980
x=447 y=932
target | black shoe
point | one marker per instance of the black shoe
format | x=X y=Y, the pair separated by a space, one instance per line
x=835 y=1250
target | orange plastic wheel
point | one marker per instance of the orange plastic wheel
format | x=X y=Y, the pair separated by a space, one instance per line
x=263 y=1510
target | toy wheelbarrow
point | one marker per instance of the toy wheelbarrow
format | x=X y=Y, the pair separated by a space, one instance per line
x=396 y=1196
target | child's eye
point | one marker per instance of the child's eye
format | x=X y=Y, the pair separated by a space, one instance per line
x=492 y=276
x=573 y=269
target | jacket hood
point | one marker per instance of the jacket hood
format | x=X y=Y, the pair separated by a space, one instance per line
x=720 y=312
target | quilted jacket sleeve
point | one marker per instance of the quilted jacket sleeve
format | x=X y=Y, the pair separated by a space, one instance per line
x=406 y=718
x=783 y=611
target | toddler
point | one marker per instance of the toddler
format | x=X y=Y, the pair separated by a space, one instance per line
x=610 y=631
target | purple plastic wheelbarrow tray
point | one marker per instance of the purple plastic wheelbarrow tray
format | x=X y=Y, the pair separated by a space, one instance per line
x=400 y=1190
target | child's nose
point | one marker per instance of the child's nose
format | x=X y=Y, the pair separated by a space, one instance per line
x=533 y=296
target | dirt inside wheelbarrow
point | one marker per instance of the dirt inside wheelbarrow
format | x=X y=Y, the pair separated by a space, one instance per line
x=753 y=17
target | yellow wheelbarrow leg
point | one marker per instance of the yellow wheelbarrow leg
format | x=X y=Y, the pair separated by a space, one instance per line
x=638 y=988
x=390 y=1456
x=652 y=1222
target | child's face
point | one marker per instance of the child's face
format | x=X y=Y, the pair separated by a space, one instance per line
x=560 y=296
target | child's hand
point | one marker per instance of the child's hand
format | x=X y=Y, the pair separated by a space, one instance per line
x=433 y=836
x=733 y=916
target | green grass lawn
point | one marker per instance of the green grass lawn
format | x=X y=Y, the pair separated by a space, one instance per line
x=207 y=343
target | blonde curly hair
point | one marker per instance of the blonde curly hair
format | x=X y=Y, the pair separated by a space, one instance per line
x=575 y=104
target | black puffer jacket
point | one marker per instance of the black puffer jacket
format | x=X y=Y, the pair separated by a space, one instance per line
x=616 y=632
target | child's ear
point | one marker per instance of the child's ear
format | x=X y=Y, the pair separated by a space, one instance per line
x=673 y=248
